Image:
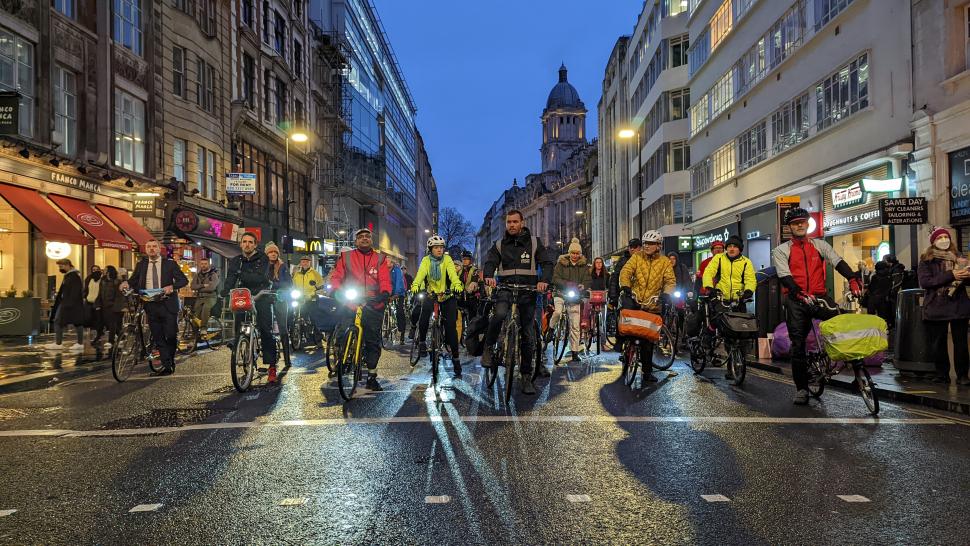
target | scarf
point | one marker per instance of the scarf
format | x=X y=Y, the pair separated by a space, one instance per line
x=435 y=273
x=276 y=269
x=947 y=257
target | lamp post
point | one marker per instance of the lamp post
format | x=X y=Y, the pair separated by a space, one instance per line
x=295 y=136
x=627 y=134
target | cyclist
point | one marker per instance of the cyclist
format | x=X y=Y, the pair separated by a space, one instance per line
x=731 y=275
x=398 y=292
x=437 y=275
x=800 y=264
x=364 y=267
x=633 y=247
x=304 y=274
x=516 y=258
x=648 y=275
x=250 y=270
x=717 y=247
x=469 y=279
x=571 y=273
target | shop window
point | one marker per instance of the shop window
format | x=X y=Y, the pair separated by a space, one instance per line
x=129 y=132
x=14 y=250
x=127 y=25
x=17 y=74
x=65 y=111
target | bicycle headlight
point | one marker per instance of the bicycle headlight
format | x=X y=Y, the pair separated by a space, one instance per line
x=329 y=287
x=351 y=294
x=571 y=294
x=421 y=296
x=294 y=304
x=677 y=294
x=295 y=294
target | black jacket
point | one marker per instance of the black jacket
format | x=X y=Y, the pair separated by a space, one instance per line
x=599 y=283
x=110 y=297
x=171 y=275
x=251 y=273
x=682 y=274
x=517 y=254
x=614 y=280
x=69 y=300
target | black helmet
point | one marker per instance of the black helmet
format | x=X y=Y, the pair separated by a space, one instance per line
x=795 y=214
x=634 y=243
x=466 y=254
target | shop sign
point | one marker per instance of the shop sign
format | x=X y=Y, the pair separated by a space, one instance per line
x=315 y=245
x=848 y=196
x=904 y=211
x=960 y=186
x=752 y=235
x=327 y=263
x=9 y=113
x=299 y=245
x=75 y=182
x=191 y=223
x=330 y=246
x=867 y=216
x=705 y=240
x=685 y=244
x=784 y=204
x=241 y=183
x=186 y=221
x=144 y=207
x=848 y=207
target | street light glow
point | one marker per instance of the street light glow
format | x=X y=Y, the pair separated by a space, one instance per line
x=579 y=212
x=299 y=137
x=627 y=133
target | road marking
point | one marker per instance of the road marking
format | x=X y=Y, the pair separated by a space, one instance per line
x=294 y=501
x=145 y=508
x=715 y=498
x=579 y=498
x=5 y=513
x=853 y=498
x=252 y=396
x=432 y=499
x=919 y=392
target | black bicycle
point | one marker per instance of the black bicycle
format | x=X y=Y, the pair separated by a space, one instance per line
x=507 y=346
x=134 y=341
x=303 y=333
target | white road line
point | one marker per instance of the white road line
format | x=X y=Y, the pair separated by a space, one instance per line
x=252 y=396
x=294 y=501
x=715 y=498
x=579 y=498
x=853 y=498
x=5 y=513
x=145 y=508
x=432 y=499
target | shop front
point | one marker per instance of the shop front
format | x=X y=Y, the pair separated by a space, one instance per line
x=702 y=242
x=959 y=163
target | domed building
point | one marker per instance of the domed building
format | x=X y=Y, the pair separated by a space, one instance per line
x=563 y=123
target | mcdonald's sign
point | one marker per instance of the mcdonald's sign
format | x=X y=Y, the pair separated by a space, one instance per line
x=315 y=245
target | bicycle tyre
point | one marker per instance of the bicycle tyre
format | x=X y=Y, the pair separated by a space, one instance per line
x=664 y=353
x=867 y=389
x=188 y=338
x=415 y=354
x=560 y=338
x=346 y=365
x=213 y=332
x=435 y=354
x=511 y=357
x=816 y=374
x=296 y=335
x=632 y=351
x=387 y=328
x=738 y=366
x=285 y=345
x=597 y=334
x=241 y=365
x=490 y=374
x=537 y=353
x=330 y=358
x=124 y=354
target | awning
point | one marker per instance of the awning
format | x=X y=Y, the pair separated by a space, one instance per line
x=41 y=215
x=91 y=222
x=127 y=223
x=226 y=250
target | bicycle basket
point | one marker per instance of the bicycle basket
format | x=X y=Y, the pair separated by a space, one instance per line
x=854 y=337
x=240 y=300
x=737 y=325
x=597 y=297
x=639 y=324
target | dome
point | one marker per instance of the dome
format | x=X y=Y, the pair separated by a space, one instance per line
x=564 y=95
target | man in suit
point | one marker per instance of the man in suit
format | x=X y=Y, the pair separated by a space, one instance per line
x=155 y=272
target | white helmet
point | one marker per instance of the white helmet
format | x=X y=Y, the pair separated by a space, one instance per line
x=653 y=236
x=436 y=240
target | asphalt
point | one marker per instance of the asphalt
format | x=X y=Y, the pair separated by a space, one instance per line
x=689 y=460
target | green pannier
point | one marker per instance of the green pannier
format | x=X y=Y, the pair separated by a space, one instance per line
x=854 y=337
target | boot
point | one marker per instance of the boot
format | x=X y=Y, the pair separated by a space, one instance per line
x=527 y=386
x=456 y=364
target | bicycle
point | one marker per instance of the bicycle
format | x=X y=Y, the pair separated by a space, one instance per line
x=507 y=345
x=247 y=350
x=436 y=328
x=389 y=322
x=560 y=331
x=733 y=327
x=594 y=331
x=662 y=357
x=303 y=332
x=349 y=358
x=192 y=331
x=134 y=341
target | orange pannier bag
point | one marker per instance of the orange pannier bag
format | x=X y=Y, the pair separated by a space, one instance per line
x=639 y=324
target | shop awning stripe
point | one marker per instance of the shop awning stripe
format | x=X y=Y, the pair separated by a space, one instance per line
x=124 y=220
x=91 y=222
x=41 y=215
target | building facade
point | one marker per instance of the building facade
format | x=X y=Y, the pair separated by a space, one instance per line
x=427 y=203
x=610 y=216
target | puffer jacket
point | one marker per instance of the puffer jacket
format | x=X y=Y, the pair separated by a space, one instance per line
x=733 y=276
x=648 y=277
x=566 y=274
x=937 y=303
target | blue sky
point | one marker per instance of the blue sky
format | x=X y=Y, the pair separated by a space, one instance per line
x=480 y=72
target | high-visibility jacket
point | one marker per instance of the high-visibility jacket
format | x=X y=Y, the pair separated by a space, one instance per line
x=731 y=276
x=301 y=281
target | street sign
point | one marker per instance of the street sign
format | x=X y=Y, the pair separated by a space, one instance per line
x=9 y=113
x=904 y=211
x=241 y=183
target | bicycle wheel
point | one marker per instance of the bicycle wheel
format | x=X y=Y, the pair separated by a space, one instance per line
x=387 y=328
x=242 y=363
x=697 y=359
x=286 y=353
x=347 y=364
x=817 y=365
x=560 y=337
x=188 y=335
x=632 y=352
x=663 y=350
x=124 y=354
x=415 y=354
x=331 y=351
x=867 y=389
x=296 y=334
x=737 y=365
x=597 y=334
x=511 y=358
x=435 y=353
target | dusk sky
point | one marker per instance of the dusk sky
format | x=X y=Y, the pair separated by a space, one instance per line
x=480 y=73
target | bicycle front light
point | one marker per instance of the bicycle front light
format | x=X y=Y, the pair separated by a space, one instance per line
x=677 y=294
x=421 y=296
x=571 y=294
x=329 y=287
x=351 y=294
x=295 y=294
x=294 y=304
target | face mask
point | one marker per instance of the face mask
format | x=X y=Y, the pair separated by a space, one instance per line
x=942 y=244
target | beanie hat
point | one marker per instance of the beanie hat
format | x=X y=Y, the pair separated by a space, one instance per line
x=736 y=241
x=574 y=246
x=271 y=246
x=939 y=232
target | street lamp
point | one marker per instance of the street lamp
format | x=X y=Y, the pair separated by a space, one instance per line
x=296 y=136
x=628 y=134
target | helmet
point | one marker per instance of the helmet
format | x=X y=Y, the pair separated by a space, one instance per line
x=436 y=240
x=466 y=254
x=653 y=236
x=795 y=214
x=717 y=243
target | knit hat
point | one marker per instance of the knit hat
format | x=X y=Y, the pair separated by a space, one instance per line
x=574 y=246
x=271 y=246
x=736 y=241
x=939 y=232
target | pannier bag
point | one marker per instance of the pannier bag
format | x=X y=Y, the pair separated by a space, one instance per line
x=737 y=325
x=475 y=335
x=639 y=324
x=240 y=300
x=854 y=337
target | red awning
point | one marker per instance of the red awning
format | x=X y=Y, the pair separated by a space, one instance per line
x=127 y=223
x=91 y=222
x=41 y=215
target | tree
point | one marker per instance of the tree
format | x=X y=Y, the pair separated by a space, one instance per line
x=457 y=231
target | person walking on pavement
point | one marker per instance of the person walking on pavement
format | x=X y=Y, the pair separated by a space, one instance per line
x=152 y=273
x=92 y=314
x=68 y=307
x=205 y=286
x=364 y=268
x=437 y=275
x=517 y=258
x=112 y=303
x=250 y=270
x=399 y=293
x=570 y=273
x=945 y=305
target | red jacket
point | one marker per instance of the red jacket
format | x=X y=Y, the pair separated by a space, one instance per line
x=804 y=261
x=367 y=271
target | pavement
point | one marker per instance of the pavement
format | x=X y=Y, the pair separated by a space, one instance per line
x=184 y=459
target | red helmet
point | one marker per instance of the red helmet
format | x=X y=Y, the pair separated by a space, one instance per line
x=717 y=244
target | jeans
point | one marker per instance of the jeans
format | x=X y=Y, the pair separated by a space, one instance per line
x=449 y=317
x=798 y=317
x=164 y=327
x=936 y=340
x=527 y=332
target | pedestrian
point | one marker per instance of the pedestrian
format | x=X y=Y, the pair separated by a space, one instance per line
x=205 y=286
x=92 y=315
x=68 y=307
x=681 y=273
x=945 y=305
x=570 y=273
x=599 y=276
x=156 y=273
x=112 y=303
x=398 y=294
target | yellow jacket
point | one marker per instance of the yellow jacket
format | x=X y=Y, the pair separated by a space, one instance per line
x=301 y=281
x=648 y=277
x=736 y=276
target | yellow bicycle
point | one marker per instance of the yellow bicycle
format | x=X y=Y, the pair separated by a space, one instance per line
x=350 y=367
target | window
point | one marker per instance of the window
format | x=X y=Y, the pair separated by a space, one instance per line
x=249 y=81
x=17 y=74
x=205 y=74
x=723 y=163
x=679 y=103
x=679 y=156
x=843 y=93
x=279 y=34
x=248 y=13
x=66 y=7
x=826 y=10
x=297 y=59
x=699 y=52
x=280 y=101
x=205 y=174
x=722 y=94
x=678 y=50
x=752 y=146
x=721 y=23
x=700 y=177
x=207 y=17
x=298 y=9
x=178 y=159
x=682 y=208
x=129 y=132
x=298 y=116
x=675 y=7
x=267 y=95
x=127 y=29
x=65 y=111
x=266 y=21
x=786 y=35
x=700 y=114
x=178 y=71
x=789 y=124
